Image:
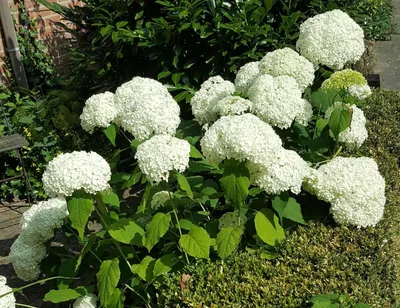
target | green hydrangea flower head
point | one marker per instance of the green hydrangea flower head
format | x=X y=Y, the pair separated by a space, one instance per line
x=343 y=80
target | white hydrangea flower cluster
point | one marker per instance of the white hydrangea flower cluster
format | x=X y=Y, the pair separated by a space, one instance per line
x=86 y=301
x=246 y=76
x=305 y=113
x=7 y=301
x=332 y=39
x=38 y=223
x=99 y=111
x=145 y=108
x=277 y=100
x=74 y=171
x=247 y=138
x=26 y=257
x=286 y=172
x=354 y=135
x=354 y=188
x=37 y=227
x=360 y=92
x=288 y=62
x=159 y=199
x=349 y=80
x=211 y=91
x=161 y=154
x=244 y=138
x=232 y=105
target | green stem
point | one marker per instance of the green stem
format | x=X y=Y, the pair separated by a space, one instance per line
x=337 y=152
x=102 y=211
x=123 y=134
x=35 y=283
x=138 y=294
x=177 y=220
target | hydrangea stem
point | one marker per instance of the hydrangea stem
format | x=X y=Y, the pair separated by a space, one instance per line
x=102 y=211
x=177 y=219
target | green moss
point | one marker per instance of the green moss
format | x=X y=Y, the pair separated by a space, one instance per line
x=341 y=80
x=318 y=259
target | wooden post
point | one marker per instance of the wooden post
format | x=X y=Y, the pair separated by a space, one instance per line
x=12 y=44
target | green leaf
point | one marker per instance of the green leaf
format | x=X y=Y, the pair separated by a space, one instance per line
x=111 y=133
x=322 y=100
x=116 y=300
x=181 y=96
x=64 y=295
x=227 y=240
x=268 y=228
x=156 y=229
x=126 y=231
x=235 y=182
x=196 y=243
x=176 y=77
x=67 y=269
x=163 y=75
x=184 y=184
x=287 y=207
x=111 y=198
x=195 y=153
x=106 y=30
x=339 y=120
x=186 y=224
x=145 y=269
x=26 y=120
x=107 y=279
x=79 y=211
x=121 y=24
x=165 y=264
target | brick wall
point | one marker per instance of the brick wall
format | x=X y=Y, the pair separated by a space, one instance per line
x=55 y=38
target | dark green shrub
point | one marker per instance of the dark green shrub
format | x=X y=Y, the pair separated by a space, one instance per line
x=319 y=259
x=186 y=42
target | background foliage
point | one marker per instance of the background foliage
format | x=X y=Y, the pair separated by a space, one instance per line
x=185 y=42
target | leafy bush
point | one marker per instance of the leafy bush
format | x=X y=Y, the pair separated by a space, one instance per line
x=186 y=42
x=316 y=259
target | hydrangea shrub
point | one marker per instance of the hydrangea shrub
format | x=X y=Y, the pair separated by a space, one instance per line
x=229 y=178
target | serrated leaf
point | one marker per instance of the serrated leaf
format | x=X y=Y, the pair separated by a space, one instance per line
x=64 y=295
x=145 y=269
x=322 y=100
x=156 y=229
x=111 y=133
x=164 y=264
x=79 y=212
x=339 y=120
x=107 y=279
x=287 y=207
x=227 y=240
x=268 y=228
x=116 y=300
x=126 y=231
x=184 y=184
x=111 y=198
x=196 y=243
